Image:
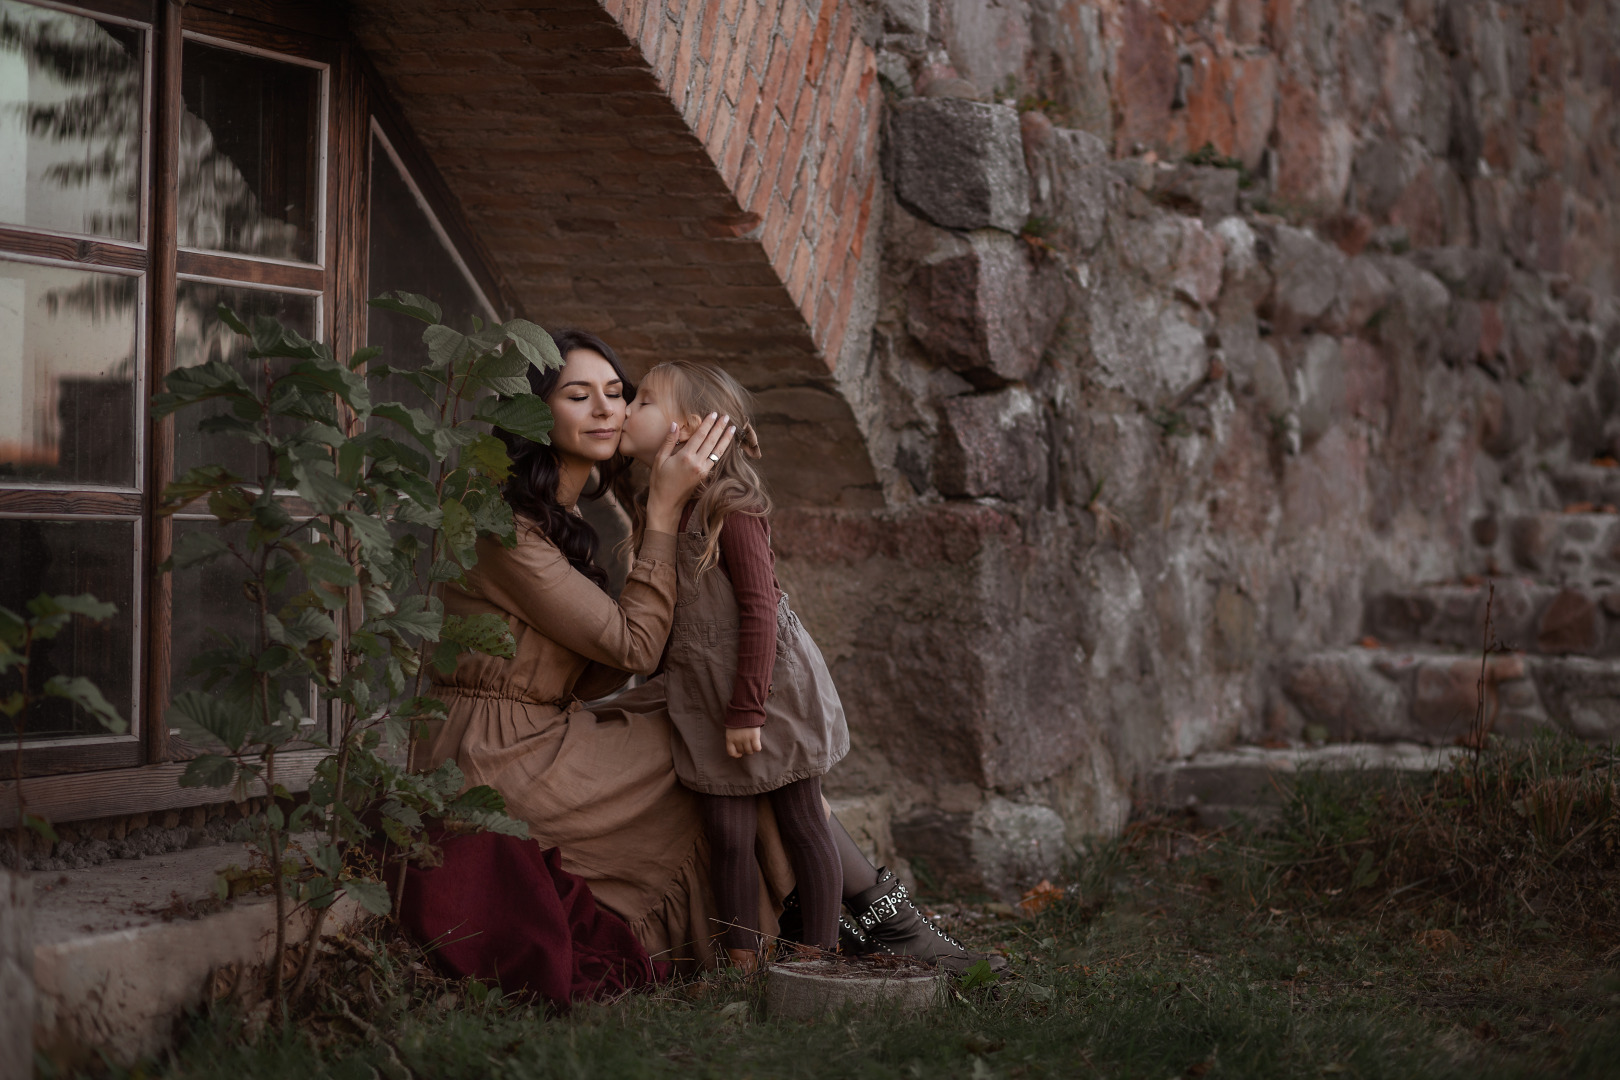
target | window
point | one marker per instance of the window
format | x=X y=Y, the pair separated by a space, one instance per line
x=160 y=160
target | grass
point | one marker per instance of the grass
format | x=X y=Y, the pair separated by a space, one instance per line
x=1276 y=952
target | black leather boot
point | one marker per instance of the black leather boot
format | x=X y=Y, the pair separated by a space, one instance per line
x=893 y=926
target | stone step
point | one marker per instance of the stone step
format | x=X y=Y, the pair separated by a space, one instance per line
x=1430 y=697
x=1250 y=781
x=1568 y=547
x=1525 y=616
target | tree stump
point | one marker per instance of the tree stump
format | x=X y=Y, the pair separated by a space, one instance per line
x=812 y=989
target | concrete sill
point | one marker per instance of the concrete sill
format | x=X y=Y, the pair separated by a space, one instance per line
x=118 y=958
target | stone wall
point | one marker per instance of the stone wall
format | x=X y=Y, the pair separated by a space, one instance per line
x=1128 y=365
x=1203 y=328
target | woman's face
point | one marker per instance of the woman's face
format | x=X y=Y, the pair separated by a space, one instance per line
x=587 y=407
x=647 y=424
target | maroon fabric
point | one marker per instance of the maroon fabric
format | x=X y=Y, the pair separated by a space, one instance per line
x=746 y=557
x=502 y=909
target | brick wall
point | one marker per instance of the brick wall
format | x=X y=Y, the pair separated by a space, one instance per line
x=687 y=178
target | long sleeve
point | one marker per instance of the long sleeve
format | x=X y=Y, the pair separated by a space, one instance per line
x=535 y=582
x=745 y=549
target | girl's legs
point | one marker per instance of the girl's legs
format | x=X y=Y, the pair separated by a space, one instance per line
x=802 y=819
x=731 y=822
x=859 y=873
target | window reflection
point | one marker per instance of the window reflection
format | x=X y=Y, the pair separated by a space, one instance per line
x=249 y=154
x=406 y=253
x=200 y=336
x=73 y=557
x=67 y=362
x=70 y=122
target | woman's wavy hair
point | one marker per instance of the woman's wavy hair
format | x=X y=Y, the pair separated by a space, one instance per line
x=532 y=488
x=685 y=389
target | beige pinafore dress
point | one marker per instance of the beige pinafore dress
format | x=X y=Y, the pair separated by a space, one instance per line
x=804 y=734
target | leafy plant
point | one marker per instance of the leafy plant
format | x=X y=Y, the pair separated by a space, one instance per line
x=47 y=616
x=362 y=510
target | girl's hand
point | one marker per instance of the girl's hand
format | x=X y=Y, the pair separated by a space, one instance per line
x=742 y=741
x=678 y=470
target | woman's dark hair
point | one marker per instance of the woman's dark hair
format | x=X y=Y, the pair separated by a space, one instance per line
x=532 y=488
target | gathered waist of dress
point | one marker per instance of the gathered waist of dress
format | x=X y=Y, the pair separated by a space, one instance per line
x=497 y=693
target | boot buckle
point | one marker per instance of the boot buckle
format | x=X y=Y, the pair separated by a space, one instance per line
x=881 y=910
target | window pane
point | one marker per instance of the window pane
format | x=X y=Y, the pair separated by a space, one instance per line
x=209 y=602
x=249 y=154
x=73 y=557
x=70 y=122
x=67 y=371
x=199 y=336
x=406 y=253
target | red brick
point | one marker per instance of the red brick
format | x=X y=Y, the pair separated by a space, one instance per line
x=686 y=50
x=749 y=190
x=731 y=161
x=709 y=21
x=816 y=58
x=775 y=233
x=804 y=32
x=765 y=37
x=742 y=44
x=716 y=140
x=865 y=215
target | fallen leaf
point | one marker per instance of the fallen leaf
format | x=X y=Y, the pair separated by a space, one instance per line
x=1439 y=941
x=1579 y=508
x=1370 y=642
x=1040 y=897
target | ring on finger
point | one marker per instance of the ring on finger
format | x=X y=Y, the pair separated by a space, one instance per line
x=714 y=457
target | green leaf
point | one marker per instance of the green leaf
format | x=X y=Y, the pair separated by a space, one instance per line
x=483 y=797
x=196 y=547
x=364 y=356
x=504 y=373
x=205 y=717
x=197 y=483
x=84 y=693
x=40 y=827
x=209 y=770
x=83 y=605
x=409 y=303
x=203 y=382
x=486 y=632
x=332 y=378
x=445 y=346
x=318 y=482
x=458 y=531
x=419 y=615
x=488 y=455
x=527 y=417
x=228 y=317
x=534 y=343
x=421 y=426
x=371 y=895
x=978 y=975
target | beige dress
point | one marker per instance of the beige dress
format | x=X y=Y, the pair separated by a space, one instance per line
x=598 y=783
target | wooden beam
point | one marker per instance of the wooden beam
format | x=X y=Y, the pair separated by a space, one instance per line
x=83 y=796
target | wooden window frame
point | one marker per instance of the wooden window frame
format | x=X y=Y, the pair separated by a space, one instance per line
x=71 y=779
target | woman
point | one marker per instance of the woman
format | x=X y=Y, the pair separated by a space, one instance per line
x=600 y=784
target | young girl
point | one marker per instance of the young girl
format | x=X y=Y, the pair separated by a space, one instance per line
x=753 y=705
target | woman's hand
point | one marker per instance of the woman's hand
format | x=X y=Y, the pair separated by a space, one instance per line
x=741 y=741
x=678 y=470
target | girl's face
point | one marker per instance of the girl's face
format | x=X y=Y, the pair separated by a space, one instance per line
x=647 y=424
x=587 y=407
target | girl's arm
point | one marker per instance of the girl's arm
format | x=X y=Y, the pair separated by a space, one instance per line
x=535 y=582
x=745 y=547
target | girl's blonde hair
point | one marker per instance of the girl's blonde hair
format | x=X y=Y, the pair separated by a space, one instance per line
x=684 y=389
